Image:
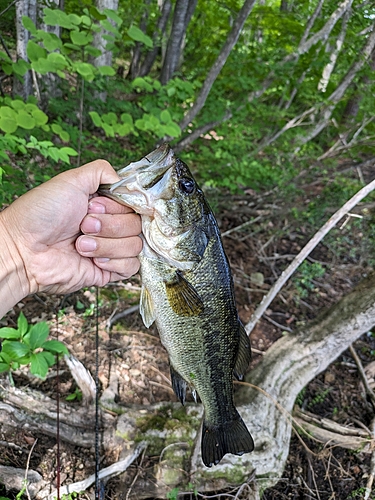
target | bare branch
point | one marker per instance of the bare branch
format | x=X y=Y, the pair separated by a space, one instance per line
x=285 y=275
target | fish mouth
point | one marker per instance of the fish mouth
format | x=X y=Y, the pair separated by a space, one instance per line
x=143 y=181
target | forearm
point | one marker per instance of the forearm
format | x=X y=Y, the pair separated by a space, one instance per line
x=14 y=284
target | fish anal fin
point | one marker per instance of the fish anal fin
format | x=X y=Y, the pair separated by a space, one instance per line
x=243 y=355
x=146 y=307
x=179 y=385
x=230 y=437
x=183 y=298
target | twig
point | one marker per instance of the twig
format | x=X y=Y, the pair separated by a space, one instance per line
x=362 y=374
x=120 y=315
x=372 y=470
x=111 y=471
x=136 y=476
x=27 y=467
x=7 y=8
x=241 y=226
x=285 y=275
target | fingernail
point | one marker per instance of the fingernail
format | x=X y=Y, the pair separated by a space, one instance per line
x=96 y=208
x=102 y=259
x=91 y=225
x=87 y=244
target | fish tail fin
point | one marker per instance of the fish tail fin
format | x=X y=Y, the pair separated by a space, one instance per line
x=230 y=437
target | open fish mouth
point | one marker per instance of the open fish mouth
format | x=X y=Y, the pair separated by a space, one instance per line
x=143 y=181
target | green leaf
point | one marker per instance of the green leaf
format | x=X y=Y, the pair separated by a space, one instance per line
x=38 y=365
x=109 y=27
x=80 y=37
x=56 y=17
x=69 y=151
x=25 y=120
x=95 y=118
x=49 y=357
x=136 y=34
x=4 y=367
x=96 y=14
x=50 y=41
x=58 y=61
x=35 y=51
x=112 y=15
x=17 y=104
x=22 y=324
x=165 y=116
x=123 y=129
x=172 y=129
x=21 y=67
x=108 y=129
x=75 y=19
x=8 y=125
x=40 y=117
x=106 y=70
x=85 y=70
x=55 y=346
x=29 y=25
x=110 y=118
x=37 y=335
x=126 y=118
x=92 y=51
x=42 y=66
x=9 y=333
x=15 y=349
x=64 y=136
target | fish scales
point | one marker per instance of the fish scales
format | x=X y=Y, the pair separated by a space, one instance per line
x=187 y=290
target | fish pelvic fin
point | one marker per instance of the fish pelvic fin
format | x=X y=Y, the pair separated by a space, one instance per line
x=183 y=298
x=146 y=307
x=230 y=437
x=178 y=384
x=243 y=355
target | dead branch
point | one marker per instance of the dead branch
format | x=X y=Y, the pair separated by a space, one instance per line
x=305 y=252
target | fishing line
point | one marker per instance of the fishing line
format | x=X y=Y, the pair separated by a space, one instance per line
x=99 y=488
x=58 y=461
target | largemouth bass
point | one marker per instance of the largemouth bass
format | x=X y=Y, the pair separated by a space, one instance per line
x=187 y=290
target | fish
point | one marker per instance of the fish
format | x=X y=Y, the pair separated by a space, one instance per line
x=187 y=291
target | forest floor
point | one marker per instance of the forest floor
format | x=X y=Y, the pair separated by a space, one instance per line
x=258 y=252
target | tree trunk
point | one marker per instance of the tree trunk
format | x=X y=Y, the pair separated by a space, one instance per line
x=105 y=59
x=183 y=11
x=152 y=54
x=135 y=62
x=24 y=8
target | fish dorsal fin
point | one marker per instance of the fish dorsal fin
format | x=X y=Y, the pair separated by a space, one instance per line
x=179 y=385
x=183 y=298
x=146 y=307
x=243 y=355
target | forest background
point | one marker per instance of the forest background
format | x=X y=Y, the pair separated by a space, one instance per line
x=268 y=102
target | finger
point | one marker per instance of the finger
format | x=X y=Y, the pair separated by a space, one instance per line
x=123 y=267
x=112 y=226
x=110 y=248
x=102 y=205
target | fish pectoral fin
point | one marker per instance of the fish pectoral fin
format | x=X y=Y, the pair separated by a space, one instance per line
x=183 y=298
x=179 y=385
x=146 y=307
x=243 y=355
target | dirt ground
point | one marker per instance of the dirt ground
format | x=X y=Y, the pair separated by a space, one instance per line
x=258 y=252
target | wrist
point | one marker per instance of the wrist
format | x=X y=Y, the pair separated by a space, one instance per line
x=14 y=283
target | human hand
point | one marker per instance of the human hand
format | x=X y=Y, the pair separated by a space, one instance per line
x=42 y=231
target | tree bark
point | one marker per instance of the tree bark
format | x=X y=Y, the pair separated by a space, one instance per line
x=219 y=63
x=151 y=55
x=105 y=59
x=135 y=62
x=24 y=8
x=183 y=11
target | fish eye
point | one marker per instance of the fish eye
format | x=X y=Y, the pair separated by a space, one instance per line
x=186 y=185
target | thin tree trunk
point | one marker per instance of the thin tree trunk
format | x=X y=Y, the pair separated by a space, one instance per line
x=135 y=62
x=105 y=59
x=182 y=14
x=337 y=95
x=219 y=63
x=24 y=8
x=328 y=69
x=152 y=54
